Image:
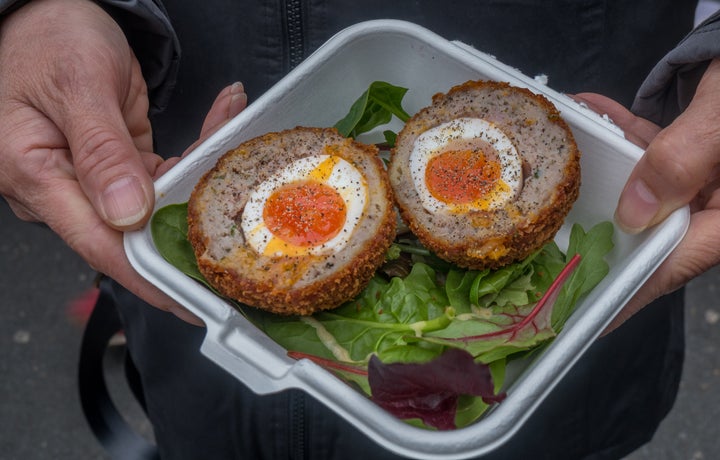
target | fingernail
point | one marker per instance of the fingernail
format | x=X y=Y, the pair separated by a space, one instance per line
x=124 y=202
x=237 y=87
x=637 y=208
x=238 y=102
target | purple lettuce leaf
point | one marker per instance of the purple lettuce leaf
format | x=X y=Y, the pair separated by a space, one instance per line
x=430 y=391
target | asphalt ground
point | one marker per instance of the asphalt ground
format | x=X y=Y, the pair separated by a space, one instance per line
x=40 y=415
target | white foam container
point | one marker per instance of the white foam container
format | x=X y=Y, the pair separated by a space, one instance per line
x=318 y=93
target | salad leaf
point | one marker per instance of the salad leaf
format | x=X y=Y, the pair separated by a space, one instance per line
x=436 y=308
x=519 y=328
x=471 y=408
x=594 y=246
x=422 y=326
x=377 y=322
x=430 y=391
x=169 y=229
x=375 y=107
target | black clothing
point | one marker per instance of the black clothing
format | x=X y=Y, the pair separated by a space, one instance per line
x=612 y=400
x=601 y=46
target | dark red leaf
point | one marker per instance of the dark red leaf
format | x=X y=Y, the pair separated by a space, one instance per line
x=429 y=391
x=328 y=363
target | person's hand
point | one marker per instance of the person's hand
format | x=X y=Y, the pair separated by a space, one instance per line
x=231 y=101
x=75 y=139
x=680 y=167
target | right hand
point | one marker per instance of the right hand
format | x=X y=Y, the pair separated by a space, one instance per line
x=680 y=166
x=75 y=140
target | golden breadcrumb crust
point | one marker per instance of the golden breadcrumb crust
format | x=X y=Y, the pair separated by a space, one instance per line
x=290 y=285
x=494 y=239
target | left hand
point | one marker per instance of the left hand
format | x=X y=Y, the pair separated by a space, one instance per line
x=681 y=166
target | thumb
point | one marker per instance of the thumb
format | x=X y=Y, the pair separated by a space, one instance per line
x=79 y=72
x=108 y=164
x=110 y=171
x=677 y=164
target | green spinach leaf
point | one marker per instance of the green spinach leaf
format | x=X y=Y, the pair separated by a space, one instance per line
x=593 y=246
x=375 y=107
x=169 y=229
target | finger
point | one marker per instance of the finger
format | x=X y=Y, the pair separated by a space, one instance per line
x=135 y=110
x=238 y=102
x=122 y=272
x=152 y=162
x=84 y=87
x=21 y=211
x=637 y=130
x=75 y=220
x=678 y=163
x=231 y=101
x=165 y=166
x=108 y=165
x=697 y=252
x=187 y=316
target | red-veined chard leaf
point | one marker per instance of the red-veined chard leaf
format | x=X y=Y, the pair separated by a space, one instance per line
x=430 y=391
x=594 y=246
x=490 y=336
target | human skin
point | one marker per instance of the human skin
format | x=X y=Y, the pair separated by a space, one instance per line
x=680 y=167
x=75 y=139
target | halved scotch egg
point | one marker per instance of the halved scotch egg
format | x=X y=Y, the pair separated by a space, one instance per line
x=486 y=174
x=293 y=222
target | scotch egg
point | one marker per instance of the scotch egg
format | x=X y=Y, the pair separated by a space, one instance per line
x=486 y=174
x=293 y=222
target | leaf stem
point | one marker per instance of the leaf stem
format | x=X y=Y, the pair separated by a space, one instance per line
x=410 y=249
x=328 y=363
x=417 y=327
x=549 y=297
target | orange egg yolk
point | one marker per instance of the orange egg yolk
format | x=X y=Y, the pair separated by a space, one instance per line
x=305 y=213
x=461 y=176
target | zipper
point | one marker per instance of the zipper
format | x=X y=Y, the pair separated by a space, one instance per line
x=298 y=433
x=296 y=54
x=295 y=34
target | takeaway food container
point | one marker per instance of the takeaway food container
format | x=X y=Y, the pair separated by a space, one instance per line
x=318 y=93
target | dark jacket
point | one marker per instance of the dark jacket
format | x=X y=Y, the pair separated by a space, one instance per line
x=609 y=404
x=191 y=50
x=611 y=401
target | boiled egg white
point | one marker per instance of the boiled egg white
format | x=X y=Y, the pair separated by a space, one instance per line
x=329 y=178
x=464 y=165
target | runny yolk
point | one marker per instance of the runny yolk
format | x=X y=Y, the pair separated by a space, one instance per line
x=461 y=176
x=305 y=213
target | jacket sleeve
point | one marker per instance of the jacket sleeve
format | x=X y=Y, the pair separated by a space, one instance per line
x=670 y=86
x=151 y=36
